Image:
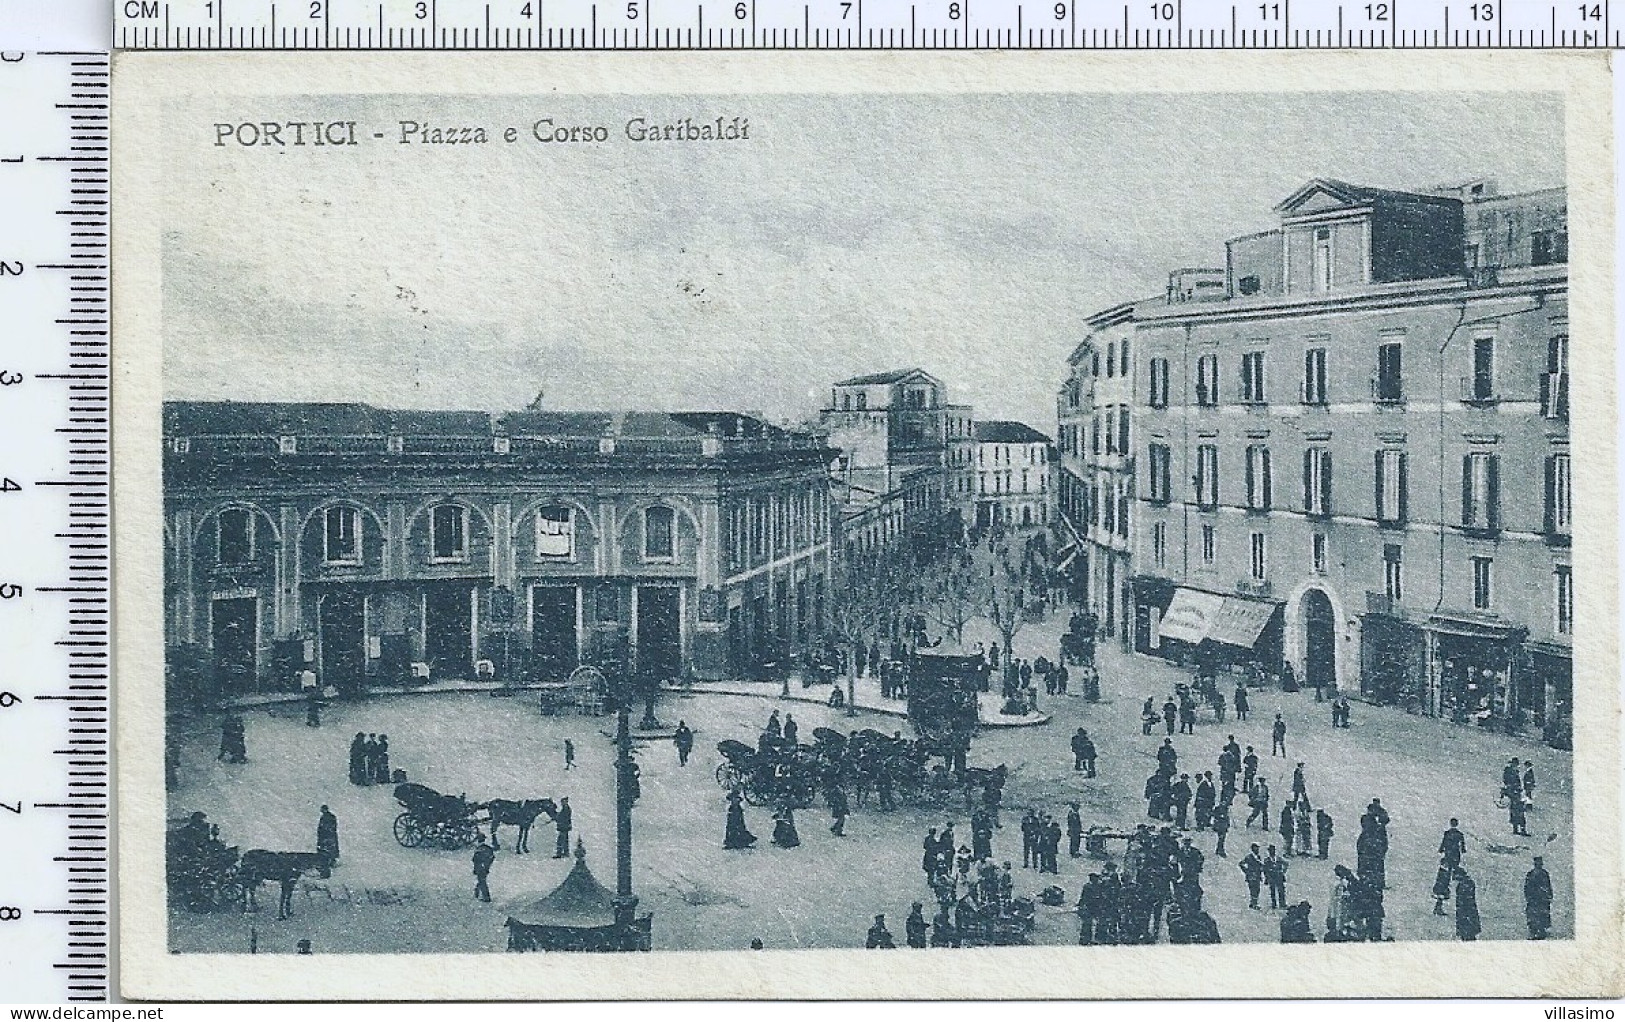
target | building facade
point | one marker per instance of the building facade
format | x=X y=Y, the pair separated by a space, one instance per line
x=1356 y=460
x=1013 y=466
x=360 y=541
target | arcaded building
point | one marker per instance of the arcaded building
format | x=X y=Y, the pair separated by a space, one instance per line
x=360 y=542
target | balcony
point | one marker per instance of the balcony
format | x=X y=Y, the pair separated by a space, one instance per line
x=1477 y=390
x=1388 y=390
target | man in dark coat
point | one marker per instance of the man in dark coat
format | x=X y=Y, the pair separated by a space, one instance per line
x=1221 y=826
x=1252 y=869
x=1259 y=800
x=1170 y=712
x=484 y=856
x=1299 y=789
x=1167 y=755
x=1074 y=830
x=915 y=927
x=1249 y=769
x=1453 y=846
x=1088 y=754
x=1242 y=705
x=1180 y=792
x=1537 y=900
x=792 y=731
x=1206 y=796
x=1286 y=828
x=327 y=836
x=838 y=810
x=684 y=740
x=1278 y=737
x=562 y=820
x=380 y=761
x=1079 y=738
x=358 y=759
x=1275 y=876
x=1323 y=831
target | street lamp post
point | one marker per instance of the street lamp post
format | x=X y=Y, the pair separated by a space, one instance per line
x=626 y=780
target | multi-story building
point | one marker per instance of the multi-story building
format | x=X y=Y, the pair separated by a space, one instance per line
x=1013 y=465
x=903 y=460
x=1356 y=461
x=1095 y=465
x=359 y=540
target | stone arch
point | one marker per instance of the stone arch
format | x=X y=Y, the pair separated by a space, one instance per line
x=1316 y=604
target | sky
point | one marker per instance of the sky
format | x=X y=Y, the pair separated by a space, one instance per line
x=970 y=236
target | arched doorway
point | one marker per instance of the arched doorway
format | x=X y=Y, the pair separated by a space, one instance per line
x=1319 y=640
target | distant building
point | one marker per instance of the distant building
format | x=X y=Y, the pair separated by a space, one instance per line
x=1013 y=467
x=903 y=457
x=360 y=540
x=1356 y=461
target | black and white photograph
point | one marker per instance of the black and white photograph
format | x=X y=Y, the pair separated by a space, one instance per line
x=616 y=518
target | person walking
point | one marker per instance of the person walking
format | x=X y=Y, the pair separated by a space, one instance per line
x=1249 y=769
x=569 y=754
x=684 y=740
x=838 y=810
x=915 y=927
x=1088 y=755
x=484 y=856
x=1537 y=900
x=1206 y=798
x=1452 y=846
x=1074 y=830
x=1441 y=887
x=562 y=819
x=1468 y=923
x=1243 y=707
x=1286 y=827
x=380 y=760
x=1079 y=739
x=1252 y=869
x=784 y=828
x=1181 y=792
x=1187 y=719
x=1304 y=821
x=1275 y=876
x=358 y=759
x=369 y=757
x=1259 y=800
x=1517 y=814
x=1323 y=831
x=1278 y=737
x=792 y=731
x=1528 y=785
x=1221 y=826
x=1300 y=790
x=737 y=835
x=1170 y=713
x=327 y=836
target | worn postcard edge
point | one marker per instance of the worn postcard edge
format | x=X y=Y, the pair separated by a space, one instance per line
x=1590 y=964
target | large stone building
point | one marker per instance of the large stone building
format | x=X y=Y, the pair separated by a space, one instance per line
x=904 y=457
x=1013 y=466
x=360 y=541
x=1356 y=459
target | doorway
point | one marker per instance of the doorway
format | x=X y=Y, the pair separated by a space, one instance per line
x=343 y=622
x=448 y=643
x=660 y=631
x=555 y=650
x=234 y=626
x=1320 y=641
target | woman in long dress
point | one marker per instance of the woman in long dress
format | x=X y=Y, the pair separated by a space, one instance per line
x=380 y=761
x=358 y=759
x=737 y=836
x=784 y=828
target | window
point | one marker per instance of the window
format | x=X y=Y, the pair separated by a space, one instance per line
x=1160 y=457
x=1322 y=279
x=1111 y=359
x=1393 y=563
x=1159 y=544
x=1094 y=365
x=1122 y=509
x=1122 y=430
x=1554 y=383
x=1481 y=386
x=1314 y=376
x=1207 y=476
x=863 y=401
x=1559 y=498
x=1258 y=477
x=1248 y=285
x=1159 y=383
x=1547 y=247
x=1122 y=356
x=1317 y=481
x=1391 y=487
x=1482 y=582
x=1481 y=491
x=1252 y=377
x=555 y=534
x=1110 y=501
x=1111 y=431
x=1317 y=552
x=1390 y=383
x=449 y=530
x=1563 y=589
x=1208 y=544
x=659 y=534
x=342 y=536
x=1260 y=564
x=235 y=542
x=1207 y=380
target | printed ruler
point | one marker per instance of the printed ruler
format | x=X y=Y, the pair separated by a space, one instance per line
x=861 y=24
x=55 y=781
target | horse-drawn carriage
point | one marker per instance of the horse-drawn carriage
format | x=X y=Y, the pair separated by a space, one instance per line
x=774 y=775
x=449 y=821
x=202 y=871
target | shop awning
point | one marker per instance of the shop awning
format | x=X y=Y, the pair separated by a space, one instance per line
x=1240 y=622
x=1190 y=615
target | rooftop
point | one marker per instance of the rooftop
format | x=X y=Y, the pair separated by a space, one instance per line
x=892 y=376
x=1005 y=431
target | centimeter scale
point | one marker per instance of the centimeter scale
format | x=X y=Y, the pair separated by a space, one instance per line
x=861 y=24
x=54 y=526
x=54 y=370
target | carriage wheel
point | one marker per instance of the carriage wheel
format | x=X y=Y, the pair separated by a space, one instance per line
x=725 y=776
x=407 y=831
x=756 y=796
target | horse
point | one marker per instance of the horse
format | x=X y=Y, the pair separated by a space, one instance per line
x=258 y=865
x=521 y=814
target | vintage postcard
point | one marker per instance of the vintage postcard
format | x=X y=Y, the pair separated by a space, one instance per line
x=866 y=525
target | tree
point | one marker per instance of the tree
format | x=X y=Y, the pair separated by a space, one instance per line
x=949 y=587
x=1006 y=595
x=859 y=608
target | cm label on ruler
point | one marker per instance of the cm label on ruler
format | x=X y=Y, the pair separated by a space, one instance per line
x=843 y=24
